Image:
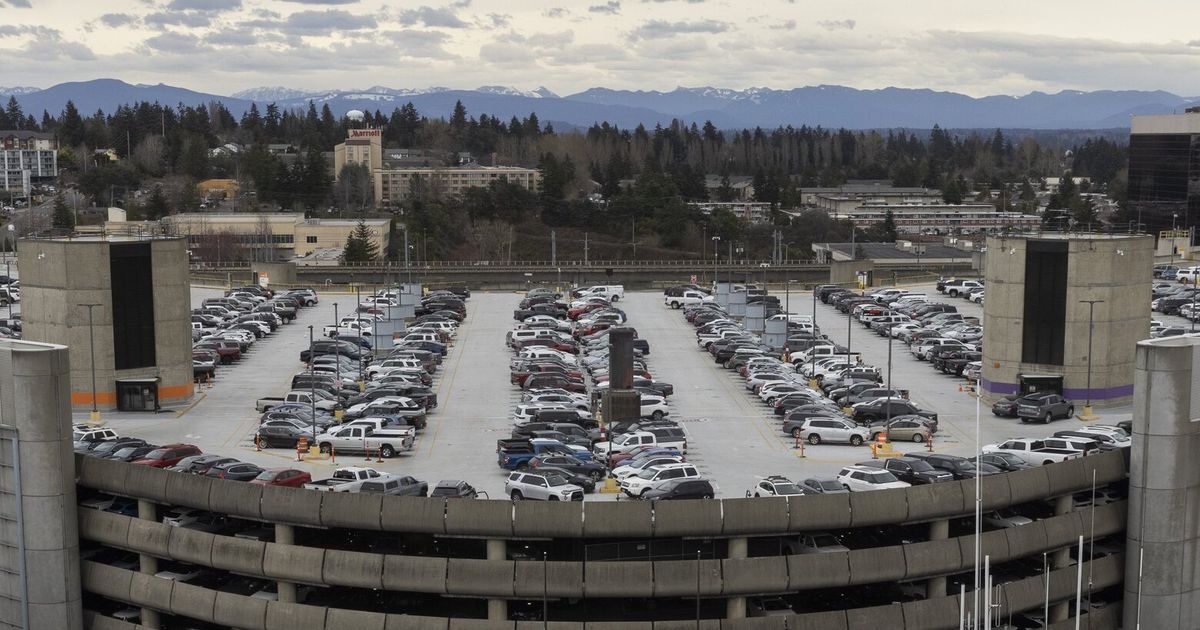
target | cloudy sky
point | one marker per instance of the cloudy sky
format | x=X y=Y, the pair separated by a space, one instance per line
x=977 y=48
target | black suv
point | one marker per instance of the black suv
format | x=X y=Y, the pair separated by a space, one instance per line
x=960 y=467
x=683 y=488
x=911 y=469
x=874 y=410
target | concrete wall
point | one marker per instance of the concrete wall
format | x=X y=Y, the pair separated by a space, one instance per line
x=37 y=507
x=846 y=271
x=57 y=276
x=1115 y=270
x=1164 y=487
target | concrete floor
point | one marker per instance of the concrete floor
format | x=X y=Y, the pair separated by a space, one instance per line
x=733 y=437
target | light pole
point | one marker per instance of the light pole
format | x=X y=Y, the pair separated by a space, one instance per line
x=1087 y=407
x=312 y=386
x=407 y=269
x=1174 y=218
x=716 y=259
x=95 y=416
x=337 y=364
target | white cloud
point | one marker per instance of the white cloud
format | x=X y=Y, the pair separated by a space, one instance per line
x=612 y=7
x=429 y=16
x=837 y=25
x=657 y=29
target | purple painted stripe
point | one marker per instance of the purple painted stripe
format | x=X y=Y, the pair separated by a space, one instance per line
x=1107 y=393
x=1079 y=393
x=999 y=388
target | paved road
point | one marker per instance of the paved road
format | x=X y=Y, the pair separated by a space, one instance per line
x=733 y=437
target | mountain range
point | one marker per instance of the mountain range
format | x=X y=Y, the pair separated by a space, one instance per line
x=823 y=105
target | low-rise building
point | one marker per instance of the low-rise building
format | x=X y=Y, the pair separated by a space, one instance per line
x=393 y=185
x=272 y=235
x=938 y=218
x=748 y=211
x=27 y=158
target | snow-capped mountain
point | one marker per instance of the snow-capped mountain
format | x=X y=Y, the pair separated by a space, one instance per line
x=268 y=94
x=824 y=105
x=17 y=91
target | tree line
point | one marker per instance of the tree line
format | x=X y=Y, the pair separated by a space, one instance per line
x=644 y=177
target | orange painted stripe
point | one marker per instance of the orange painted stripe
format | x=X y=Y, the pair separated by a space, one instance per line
x=85 y=398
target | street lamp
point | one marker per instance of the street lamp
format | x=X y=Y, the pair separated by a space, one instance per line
x=1087 y=407
x=337 y=364
x=312 y=385
x=716 y=258
x=95 y=415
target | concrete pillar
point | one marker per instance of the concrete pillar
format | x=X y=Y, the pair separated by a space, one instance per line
x=735 y=607
x=148 y=511
x=936 y=587
x=285 y=535
x=497 y=549
x=1163 y=535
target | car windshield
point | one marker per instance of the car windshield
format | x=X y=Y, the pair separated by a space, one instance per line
x=648 y=472
x=267 y=475
x=787 y=488
x=882 y=476
x=828 y=484
x=158 y=454
x=920 y=466
x=555 y=479
x=444 y=491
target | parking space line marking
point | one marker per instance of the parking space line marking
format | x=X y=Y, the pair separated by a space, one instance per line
x=448 y=384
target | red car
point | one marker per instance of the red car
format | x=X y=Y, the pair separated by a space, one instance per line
x=168 y=455
x=287 y=477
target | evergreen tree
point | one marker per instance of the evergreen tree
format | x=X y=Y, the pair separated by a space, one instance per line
x=156 y=206
x=359 y=246
x=951 y=193
x=62 y=218
x=70 y=132
x=16 y=117
x=888 y=229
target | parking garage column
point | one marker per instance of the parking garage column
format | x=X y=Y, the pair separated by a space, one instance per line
x=1061 y=559
x=735 y=607
x=936 y=587
x=148 y=511
x=497 y=549
x=285 y=535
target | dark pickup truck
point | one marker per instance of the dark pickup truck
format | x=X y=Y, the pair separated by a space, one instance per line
x=516 y=454
x=954 y=361
x=553 y=310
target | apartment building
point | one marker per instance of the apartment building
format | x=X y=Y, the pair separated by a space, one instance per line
x=27 y=158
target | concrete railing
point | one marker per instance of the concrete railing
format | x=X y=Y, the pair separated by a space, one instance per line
x=501 y=519
x=573 y=579
x=251 y=613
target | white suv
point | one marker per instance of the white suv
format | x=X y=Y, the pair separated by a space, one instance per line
x=817 y=430
x=637 y=485
x=861 y=478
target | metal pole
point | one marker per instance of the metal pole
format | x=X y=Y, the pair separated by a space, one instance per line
x=962 y=607
x=1046 y=584
x=888 y=426
x=545 y=588
x=697 y=589
x=987 y=593
x=407 y=269
x=337 y=364
x=1087 y=408
x=1079 y=584
x=716 y=259
x=978 y=507
x=95 y=416
x=312 y=385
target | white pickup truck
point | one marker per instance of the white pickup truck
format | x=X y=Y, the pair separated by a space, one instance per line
x=1036 y=452
x=344 y=480
x=362 y=438
x=688 y=298
x=300 y=397
x=350 y=328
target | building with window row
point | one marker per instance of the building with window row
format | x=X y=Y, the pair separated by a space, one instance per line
x=278 y=235
x=26 y=158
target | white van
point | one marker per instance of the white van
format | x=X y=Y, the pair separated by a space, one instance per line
x=1188 y=275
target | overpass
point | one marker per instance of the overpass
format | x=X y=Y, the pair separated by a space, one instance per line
x=631 y=273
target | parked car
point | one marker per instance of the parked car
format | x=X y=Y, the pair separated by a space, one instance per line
x=405 y=486
x=912 y=470
x=828 y=429
x=683 y=488
x=454 y=489
x=775 y=486
x=1044 y=407
x=286 y=477
x=863 y=478
x=822 y=486
x=168 y=455
x=541 y=487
